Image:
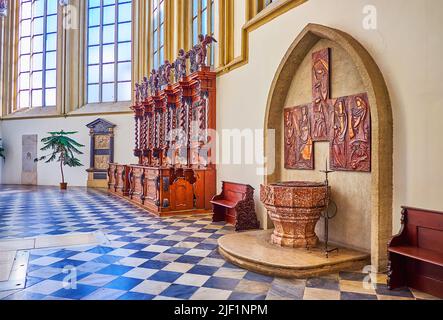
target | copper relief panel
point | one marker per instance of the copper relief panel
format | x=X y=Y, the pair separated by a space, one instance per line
x=345 y=122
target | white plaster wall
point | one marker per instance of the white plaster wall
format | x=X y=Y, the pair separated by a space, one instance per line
x=49 y=174
x=407 y=46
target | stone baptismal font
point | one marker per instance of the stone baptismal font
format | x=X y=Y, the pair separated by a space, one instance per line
x=292 y=249
x=295 y=208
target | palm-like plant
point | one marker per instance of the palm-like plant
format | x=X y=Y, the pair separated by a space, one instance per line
x=2 y=151
x=63 y=150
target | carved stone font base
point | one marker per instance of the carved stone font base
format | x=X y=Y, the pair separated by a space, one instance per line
x=294 y=208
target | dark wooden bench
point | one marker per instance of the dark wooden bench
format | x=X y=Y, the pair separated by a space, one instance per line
x=416 y=253
x=236 y=206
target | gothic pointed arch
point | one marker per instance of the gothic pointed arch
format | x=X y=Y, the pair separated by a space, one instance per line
x=382 y=125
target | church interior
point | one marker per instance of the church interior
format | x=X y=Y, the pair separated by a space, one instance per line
x=221 y=150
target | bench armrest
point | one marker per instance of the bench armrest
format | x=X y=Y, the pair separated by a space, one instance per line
x=400 y=238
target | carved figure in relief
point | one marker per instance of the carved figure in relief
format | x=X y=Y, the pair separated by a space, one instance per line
x=101 y=162
x=199 y=52
x=304 y=140
x=340 y=126
x=359 y=155
x=319 y=120
x=165 y=73
x=290 y=138
x=359 y=134
x=204 y=121
x=154 y=82
x=180 y=65
x=102 y=142
x=321 y=80
x=320 y=92
x=202 y=48
x=160 y=72
x=192 y=54
x=359 y=112
x=145 y=88
x=137 y=92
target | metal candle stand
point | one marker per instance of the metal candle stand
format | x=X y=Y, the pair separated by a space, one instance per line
x=329 y=213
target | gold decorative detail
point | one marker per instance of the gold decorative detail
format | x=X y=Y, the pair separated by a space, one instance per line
x=101 y=162
x=102 y=142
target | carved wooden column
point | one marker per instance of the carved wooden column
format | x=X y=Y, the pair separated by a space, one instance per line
x=150 y=131
x=203 y=97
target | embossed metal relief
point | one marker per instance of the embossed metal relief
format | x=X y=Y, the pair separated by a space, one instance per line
x=345 y=122
x=298 y=140
x=320 y=95
x=101 y=162
x=102 y=142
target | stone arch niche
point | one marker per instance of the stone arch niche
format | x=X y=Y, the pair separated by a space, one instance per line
x=364 y=220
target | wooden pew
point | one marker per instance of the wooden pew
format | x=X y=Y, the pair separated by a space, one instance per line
x=416 y=253
x=235 y=205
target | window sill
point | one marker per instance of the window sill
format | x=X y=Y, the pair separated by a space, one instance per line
x=87 y=110
x=30 y=113
x=102 y=108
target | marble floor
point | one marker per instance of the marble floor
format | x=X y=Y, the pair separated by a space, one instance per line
x=143 y=257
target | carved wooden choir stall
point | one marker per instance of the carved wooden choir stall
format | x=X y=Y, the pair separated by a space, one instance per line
x=173 y=139
x=416 y=253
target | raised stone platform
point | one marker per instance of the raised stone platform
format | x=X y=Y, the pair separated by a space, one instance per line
x=253 y=251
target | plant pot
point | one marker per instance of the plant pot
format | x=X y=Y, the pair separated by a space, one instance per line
x=63 y=186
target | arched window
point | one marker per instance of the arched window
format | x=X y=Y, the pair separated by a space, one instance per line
x=37 y=53
x=158 y=32
x=109 y=40
x=203 y=17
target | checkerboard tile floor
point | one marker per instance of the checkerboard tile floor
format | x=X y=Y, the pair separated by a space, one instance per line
x=147 y=258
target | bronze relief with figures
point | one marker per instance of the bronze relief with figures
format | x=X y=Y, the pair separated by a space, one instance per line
x=344 y=122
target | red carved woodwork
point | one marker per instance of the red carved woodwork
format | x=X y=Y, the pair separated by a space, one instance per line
x=121 y=185
x=175 y=172
x=416 y=254
x=298 y=141
x=112 y=176
x=182 y=197
x=359 y=154
x=345 y=122
x=235 y=205
x=320 y=95
x=136 y=184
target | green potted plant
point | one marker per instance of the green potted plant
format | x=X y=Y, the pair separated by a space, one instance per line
x=2 y=151
x=63 y=150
